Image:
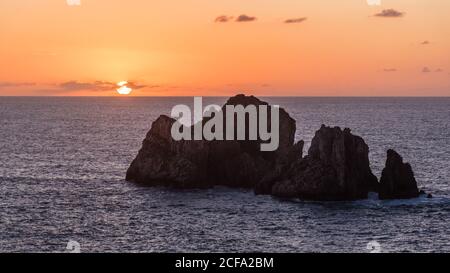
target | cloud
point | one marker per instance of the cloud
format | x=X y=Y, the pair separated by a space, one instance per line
x=223 y=19
x=245 y=18
x=96 y=86
x=16 y=84
x=390 y=70
x=425 y=43
x=429 y=70
x=295 y=20
x=392 y=13
x=426 y=70
x=240 y=18
x=137 y=86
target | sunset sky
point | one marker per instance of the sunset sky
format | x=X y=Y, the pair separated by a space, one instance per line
x=224 y=47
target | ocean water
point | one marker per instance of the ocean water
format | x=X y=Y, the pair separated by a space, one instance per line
x=63 y=163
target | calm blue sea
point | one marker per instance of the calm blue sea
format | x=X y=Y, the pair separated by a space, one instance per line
x=63 y=163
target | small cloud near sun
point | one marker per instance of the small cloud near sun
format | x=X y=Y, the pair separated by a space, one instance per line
x=101 y=86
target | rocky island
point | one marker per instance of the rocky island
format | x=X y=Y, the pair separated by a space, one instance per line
x=335 y=168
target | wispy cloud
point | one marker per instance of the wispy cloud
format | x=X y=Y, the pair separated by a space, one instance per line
x=426 y=69
x=390 y=70
x=392 y=13
x=95 y=86
x=425 y=42
x=295 y=20
x=245 y=18
x=241 y=18
x=16 y=84
x=223 y=19
x=137 y=86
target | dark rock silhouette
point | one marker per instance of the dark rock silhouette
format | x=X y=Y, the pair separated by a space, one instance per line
x=397 y=179
x=165 y=162
x=199 y=164
x=336 y=167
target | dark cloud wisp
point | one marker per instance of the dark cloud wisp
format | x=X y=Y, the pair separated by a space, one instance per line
x=95 y=86
x=239 y=19
x=426 y=70
x=295 y=20
x=245 y=18
x=223 y=19
x=390 y=13
x=16 y=84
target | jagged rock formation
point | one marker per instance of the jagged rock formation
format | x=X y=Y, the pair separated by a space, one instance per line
x=397 y=179
x=165 y=162
x=197 y=164
x=336 y=167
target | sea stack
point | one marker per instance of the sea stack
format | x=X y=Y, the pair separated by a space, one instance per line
x=163 y=161
x=397 y=179
x=336 y=168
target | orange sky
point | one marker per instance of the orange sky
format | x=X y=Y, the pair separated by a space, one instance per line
x=175 y=47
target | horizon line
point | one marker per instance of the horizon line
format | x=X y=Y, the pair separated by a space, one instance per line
x=220 y=96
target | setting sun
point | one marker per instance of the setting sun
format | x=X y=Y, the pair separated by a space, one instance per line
x=123 y=90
